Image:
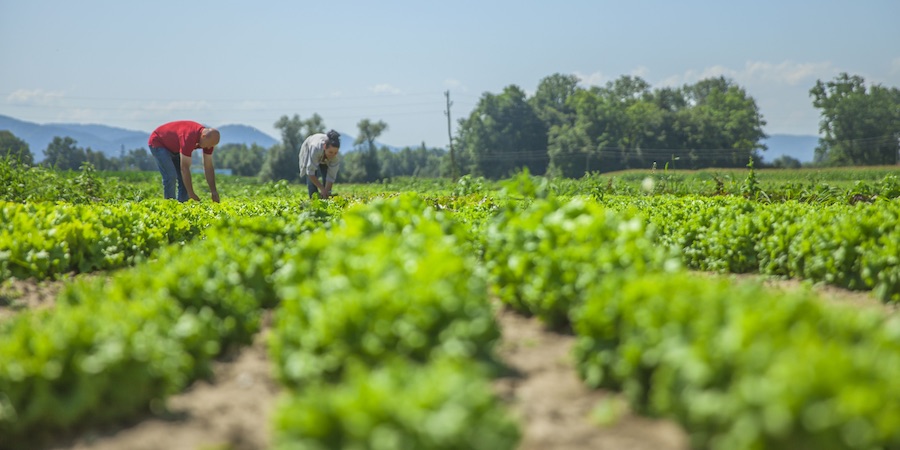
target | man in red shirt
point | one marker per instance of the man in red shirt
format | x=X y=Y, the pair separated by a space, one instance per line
x=172 y=145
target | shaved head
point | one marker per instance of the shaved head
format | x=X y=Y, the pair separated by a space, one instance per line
x=209 y=138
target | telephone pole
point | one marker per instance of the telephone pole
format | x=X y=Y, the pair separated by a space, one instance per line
x=453 y=171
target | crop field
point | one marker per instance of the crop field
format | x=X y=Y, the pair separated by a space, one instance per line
x=643 y=310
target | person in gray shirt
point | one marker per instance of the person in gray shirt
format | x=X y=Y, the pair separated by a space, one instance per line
x=319 y=159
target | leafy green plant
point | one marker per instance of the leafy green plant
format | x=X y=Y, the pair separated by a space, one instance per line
x=440 y=405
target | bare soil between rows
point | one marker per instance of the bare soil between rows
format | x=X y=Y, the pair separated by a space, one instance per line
x=554 y=408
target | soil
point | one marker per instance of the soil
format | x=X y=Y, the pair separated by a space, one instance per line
x=554 y=408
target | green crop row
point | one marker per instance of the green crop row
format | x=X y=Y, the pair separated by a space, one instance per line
x=740 y=367
x=385 y=336
x=45 y=240
x=542 y=257
x=112 y=347
x=405 y=307
x=851 y=246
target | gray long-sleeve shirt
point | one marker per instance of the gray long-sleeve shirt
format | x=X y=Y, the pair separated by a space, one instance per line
x=312 y=153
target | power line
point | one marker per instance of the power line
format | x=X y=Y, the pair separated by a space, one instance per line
x=236 y=99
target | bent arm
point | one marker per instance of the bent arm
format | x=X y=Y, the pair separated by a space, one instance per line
x=315 y=180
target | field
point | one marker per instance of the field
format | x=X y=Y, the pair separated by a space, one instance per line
x=663 y=310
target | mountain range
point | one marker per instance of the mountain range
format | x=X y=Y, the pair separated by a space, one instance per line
x=112 y=141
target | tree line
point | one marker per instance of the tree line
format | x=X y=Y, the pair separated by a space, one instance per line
x=566 y=130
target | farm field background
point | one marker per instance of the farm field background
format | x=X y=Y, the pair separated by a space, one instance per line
x=416 y=313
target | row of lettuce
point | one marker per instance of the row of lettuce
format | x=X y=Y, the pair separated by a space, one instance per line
x=47 y=240
x=384 y=335
x=738 y=366
x=851 y=246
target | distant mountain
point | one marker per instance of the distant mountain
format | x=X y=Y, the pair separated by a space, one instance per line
x=244 y=134
x=800 y=147
x=112 y=140
x=39 y=136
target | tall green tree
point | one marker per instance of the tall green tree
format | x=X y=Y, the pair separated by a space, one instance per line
x=624 y=121
x=607 y=131
x=14 y=148
x=571 y=151
x=550 y=101
x=503 y=135
x=282 y=161
x=314 y=124
x=859 y=125
x=64 y=154
x=368 y=132
x=725 y=125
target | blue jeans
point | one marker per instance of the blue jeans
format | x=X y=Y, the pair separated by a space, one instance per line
x=320 y=174
x=170 y=167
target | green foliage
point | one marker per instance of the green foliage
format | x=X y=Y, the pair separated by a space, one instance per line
x=14 y=149
x=541 y=259
x=80 y=365
x=524 y=185
x=441 y=405
x=356 y=293
x=625 y=125
x=83 y=238
x=280 y=164
x=116 y=346
x=551 y=100
x=504 y=134
x=242 y=160
x=851 y=246
x=22 y=183
x=750 y=188
x=860 y=125
x=384 y=331
x=740 y=367
x=62 y=154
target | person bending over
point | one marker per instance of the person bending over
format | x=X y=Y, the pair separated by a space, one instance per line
x=172 y=145
x=319 y=162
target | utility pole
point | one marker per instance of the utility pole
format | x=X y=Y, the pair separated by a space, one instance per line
x=453 y=171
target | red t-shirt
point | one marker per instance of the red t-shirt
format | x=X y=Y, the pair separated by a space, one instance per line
x=182 y=136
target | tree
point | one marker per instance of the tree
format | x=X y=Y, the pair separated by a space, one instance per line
x=62 y=154
x=628 y=123
x=504 y=134
x=242 y=160
x=859 y=126
x=99 y=160
x=570 y=150
x=282 y=161
x=14 y=148
x=137 y=159
x=368 y=132
x=725 y=125
x=550 y=101
x=314 y=125
x=786 y=162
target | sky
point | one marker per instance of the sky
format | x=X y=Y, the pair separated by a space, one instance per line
x=137 y=65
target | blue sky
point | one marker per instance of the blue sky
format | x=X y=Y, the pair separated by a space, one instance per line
x=138 y=64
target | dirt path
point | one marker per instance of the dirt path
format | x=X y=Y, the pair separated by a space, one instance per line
x=231 y=412
x=555 y=409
